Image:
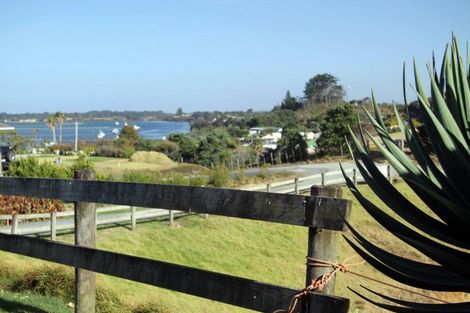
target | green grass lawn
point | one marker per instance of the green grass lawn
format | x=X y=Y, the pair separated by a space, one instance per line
x=31 y=303
x=268 y=252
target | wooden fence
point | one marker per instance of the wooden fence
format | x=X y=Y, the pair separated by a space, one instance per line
x=318 y=213
x=53 y=222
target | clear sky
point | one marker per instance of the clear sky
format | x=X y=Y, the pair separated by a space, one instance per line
x=211 y=54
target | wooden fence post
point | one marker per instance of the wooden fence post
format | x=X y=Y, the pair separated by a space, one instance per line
x=296 y=186
x=322 y=243
x=323 y=178
x=355 y=177
x=172 y=217
x=53 y=225
x=133 y=218
x=287 y=156
x=268 y=187
x=272 y=159
x=85 y=235
x=14 y=224
x=389 y=173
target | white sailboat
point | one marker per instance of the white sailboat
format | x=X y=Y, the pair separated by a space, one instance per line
x=101 y=134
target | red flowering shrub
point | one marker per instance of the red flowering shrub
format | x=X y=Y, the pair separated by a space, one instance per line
x=28 y=205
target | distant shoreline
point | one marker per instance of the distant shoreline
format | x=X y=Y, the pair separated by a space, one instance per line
x=95 y=116
x=89 y=130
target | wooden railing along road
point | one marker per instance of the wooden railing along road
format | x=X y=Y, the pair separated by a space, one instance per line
x=319 y=214
x=53 y=222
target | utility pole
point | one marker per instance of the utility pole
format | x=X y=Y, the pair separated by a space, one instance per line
x=76 y=136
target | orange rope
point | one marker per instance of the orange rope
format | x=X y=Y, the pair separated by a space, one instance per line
x=320 y=282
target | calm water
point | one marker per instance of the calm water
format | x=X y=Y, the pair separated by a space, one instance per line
x=89 y=130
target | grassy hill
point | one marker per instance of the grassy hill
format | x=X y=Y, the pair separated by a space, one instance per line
x=268 y=252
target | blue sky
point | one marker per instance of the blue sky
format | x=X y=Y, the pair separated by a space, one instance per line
x=76 y=56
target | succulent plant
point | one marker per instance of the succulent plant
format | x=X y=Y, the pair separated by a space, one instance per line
x=443 y=185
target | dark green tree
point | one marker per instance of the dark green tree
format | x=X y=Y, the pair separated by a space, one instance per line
x=290 y=103
x=323 y=88
x=186 y=147
x=130 y=133
x=334 y=128
x=237 y=132
x=179 y=112
x=215 y=148
x=278 y=118
x=292 y=141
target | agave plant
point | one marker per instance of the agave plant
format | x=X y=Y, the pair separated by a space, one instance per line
x=444 y=186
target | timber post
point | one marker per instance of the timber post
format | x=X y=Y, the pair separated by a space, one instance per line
x=53 y=225
x=322 y=243
x=133 y=218
x=14 y=224
x=85 y=236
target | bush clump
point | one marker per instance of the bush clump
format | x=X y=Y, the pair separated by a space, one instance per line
x=31 y=167
x=82 y=162
x=112 y=151
x=151 y=306
x=220 y=176
x=156 y=178
x=55 y=281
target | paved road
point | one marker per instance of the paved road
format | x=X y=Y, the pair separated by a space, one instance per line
x=302 y=169
x=310 y=174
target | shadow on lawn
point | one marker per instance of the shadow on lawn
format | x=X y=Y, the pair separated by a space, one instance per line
x=17 y=307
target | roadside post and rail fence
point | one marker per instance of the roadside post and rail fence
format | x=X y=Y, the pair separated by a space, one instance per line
x=319 y=213
x=53 y=222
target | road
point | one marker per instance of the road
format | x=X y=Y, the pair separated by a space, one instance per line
x=310 y=174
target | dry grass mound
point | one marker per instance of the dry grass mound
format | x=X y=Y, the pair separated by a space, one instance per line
x=152 y=157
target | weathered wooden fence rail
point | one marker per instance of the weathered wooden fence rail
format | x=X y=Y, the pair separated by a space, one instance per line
x=319 y=213
x=53 y=222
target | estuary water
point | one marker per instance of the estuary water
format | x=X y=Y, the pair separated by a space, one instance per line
x=89 y=130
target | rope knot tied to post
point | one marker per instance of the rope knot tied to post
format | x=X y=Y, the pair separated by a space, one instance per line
x=320 y=282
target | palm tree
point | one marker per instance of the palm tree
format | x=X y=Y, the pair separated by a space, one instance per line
x=51 y=123
x=60 y=118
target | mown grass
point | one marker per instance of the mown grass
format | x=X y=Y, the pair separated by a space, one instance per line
x=28 y=302
x=268 y=252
